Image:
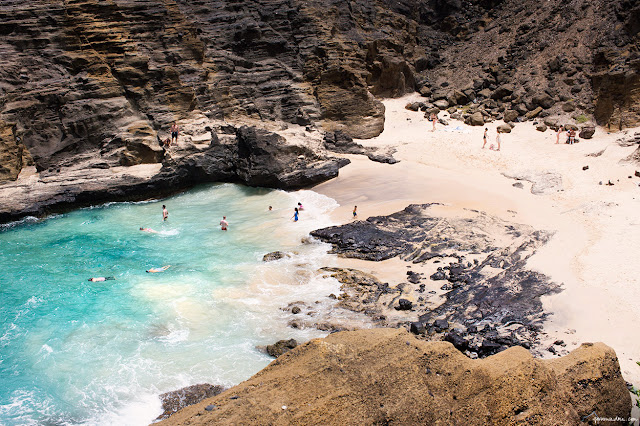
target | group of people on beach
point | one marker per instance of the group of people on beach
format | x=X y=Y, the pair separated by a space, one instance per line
x=486 y=135
x=571 y=135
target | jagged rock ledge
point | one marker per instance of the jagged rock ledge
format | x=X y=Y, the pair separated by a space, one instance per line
x=384 y=376
x=245 y=154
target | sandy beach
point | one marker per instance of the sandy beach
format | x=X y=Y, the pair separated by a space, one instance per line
x=593 y=252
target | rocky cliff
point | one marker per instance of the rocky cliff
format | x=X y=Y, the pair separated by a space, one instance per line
x=386 y=376
x=97 y=83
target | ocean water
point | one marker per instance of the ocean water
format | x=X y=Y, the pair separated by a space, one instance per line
x=80 y=352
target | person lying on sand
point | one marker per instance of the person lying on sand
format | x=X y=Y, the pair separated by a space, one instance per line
x=99 y=279
x=154 y=270
x=149 y=230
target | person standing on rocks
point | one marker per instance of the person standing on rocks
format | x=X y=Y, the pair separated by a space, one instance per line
x=558 y=133
x=498 y=139
x=224 y=224
x=165 y=212
x=484 y=137
x=174 y=132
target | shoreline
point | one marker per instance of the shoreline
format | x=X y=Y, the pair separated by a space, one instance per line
x=593 y=225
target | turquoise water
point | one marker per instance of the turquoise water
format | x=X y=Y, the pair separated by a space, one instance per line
x=80 y=352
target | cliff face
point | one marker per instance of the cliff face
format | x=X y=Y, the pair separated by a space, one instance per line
x=386 y=376
x=101 y=80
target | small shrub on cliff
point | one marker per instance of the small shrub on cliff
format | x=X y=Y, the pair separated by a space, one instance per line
x=581 y=119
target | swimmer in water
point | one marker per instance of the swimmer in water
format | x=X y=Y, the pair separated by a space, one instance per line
x=270 y=208
x=99 y=279
x=165 y=212
x=300 y=207
x=152 y=231
x=224 y=224
x=154 y=270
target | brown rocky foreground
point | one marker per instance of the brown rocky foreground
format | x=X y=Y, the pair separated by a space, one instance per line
x=383 y=376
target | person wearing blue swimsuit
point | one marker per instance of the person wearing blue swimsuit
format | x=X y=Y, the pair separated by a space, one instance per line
x=295 y=215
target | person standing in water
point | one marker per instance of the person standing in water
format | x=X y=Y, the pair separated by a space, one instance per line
x=174 y=132
x=295 y=215
x=484 y=137
x=355 y=212
x=300 y=207
x=224 y=224
x=165 y=212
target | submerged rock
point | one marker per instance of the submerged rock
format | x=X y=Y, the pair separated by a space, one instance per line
x=281 y=347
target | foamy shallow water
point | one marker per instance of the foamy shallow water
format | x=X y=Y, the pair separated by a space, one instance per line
x=79 y=352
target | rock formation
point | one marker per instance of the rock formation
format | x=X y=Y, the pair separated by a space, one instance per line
x=387 y=376
x=492 y=299
x=93 y=84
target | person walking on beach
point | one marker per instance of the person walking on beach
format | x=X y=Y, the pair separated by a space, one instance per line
x=174 y=132
x=224 y=224
x=355 y=212
x=484 y=137
x=165 y=212
x=498 y=139
x=558 y=133
x=295 y=215
x=434 y=118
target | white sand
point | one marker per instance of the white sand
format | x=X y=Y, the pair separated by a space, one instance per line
x=594 y=252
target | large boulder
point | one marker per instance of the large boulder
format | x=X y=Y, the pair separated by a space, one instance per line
x=587 y=132
x=502 y=92
x=543 y=100
x=504 y=128
x=475 y=119
x=281 y=347
x=266 y=159
x=534 y=113
x=389 y=376
x=510 y=115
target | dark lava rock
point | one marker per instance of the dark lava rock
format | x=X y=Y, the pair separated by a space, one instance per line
x=518 y=185
x=174 y=401
x=417 y=328
x=439 y=275
x=413 y=277
x=404 y=305
x=274 y=255
x=281 y=347
x=342 y=143
x=458 y=341
x=295 y=310
x=382 y=158
x=441 y=325
x=585 y=168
